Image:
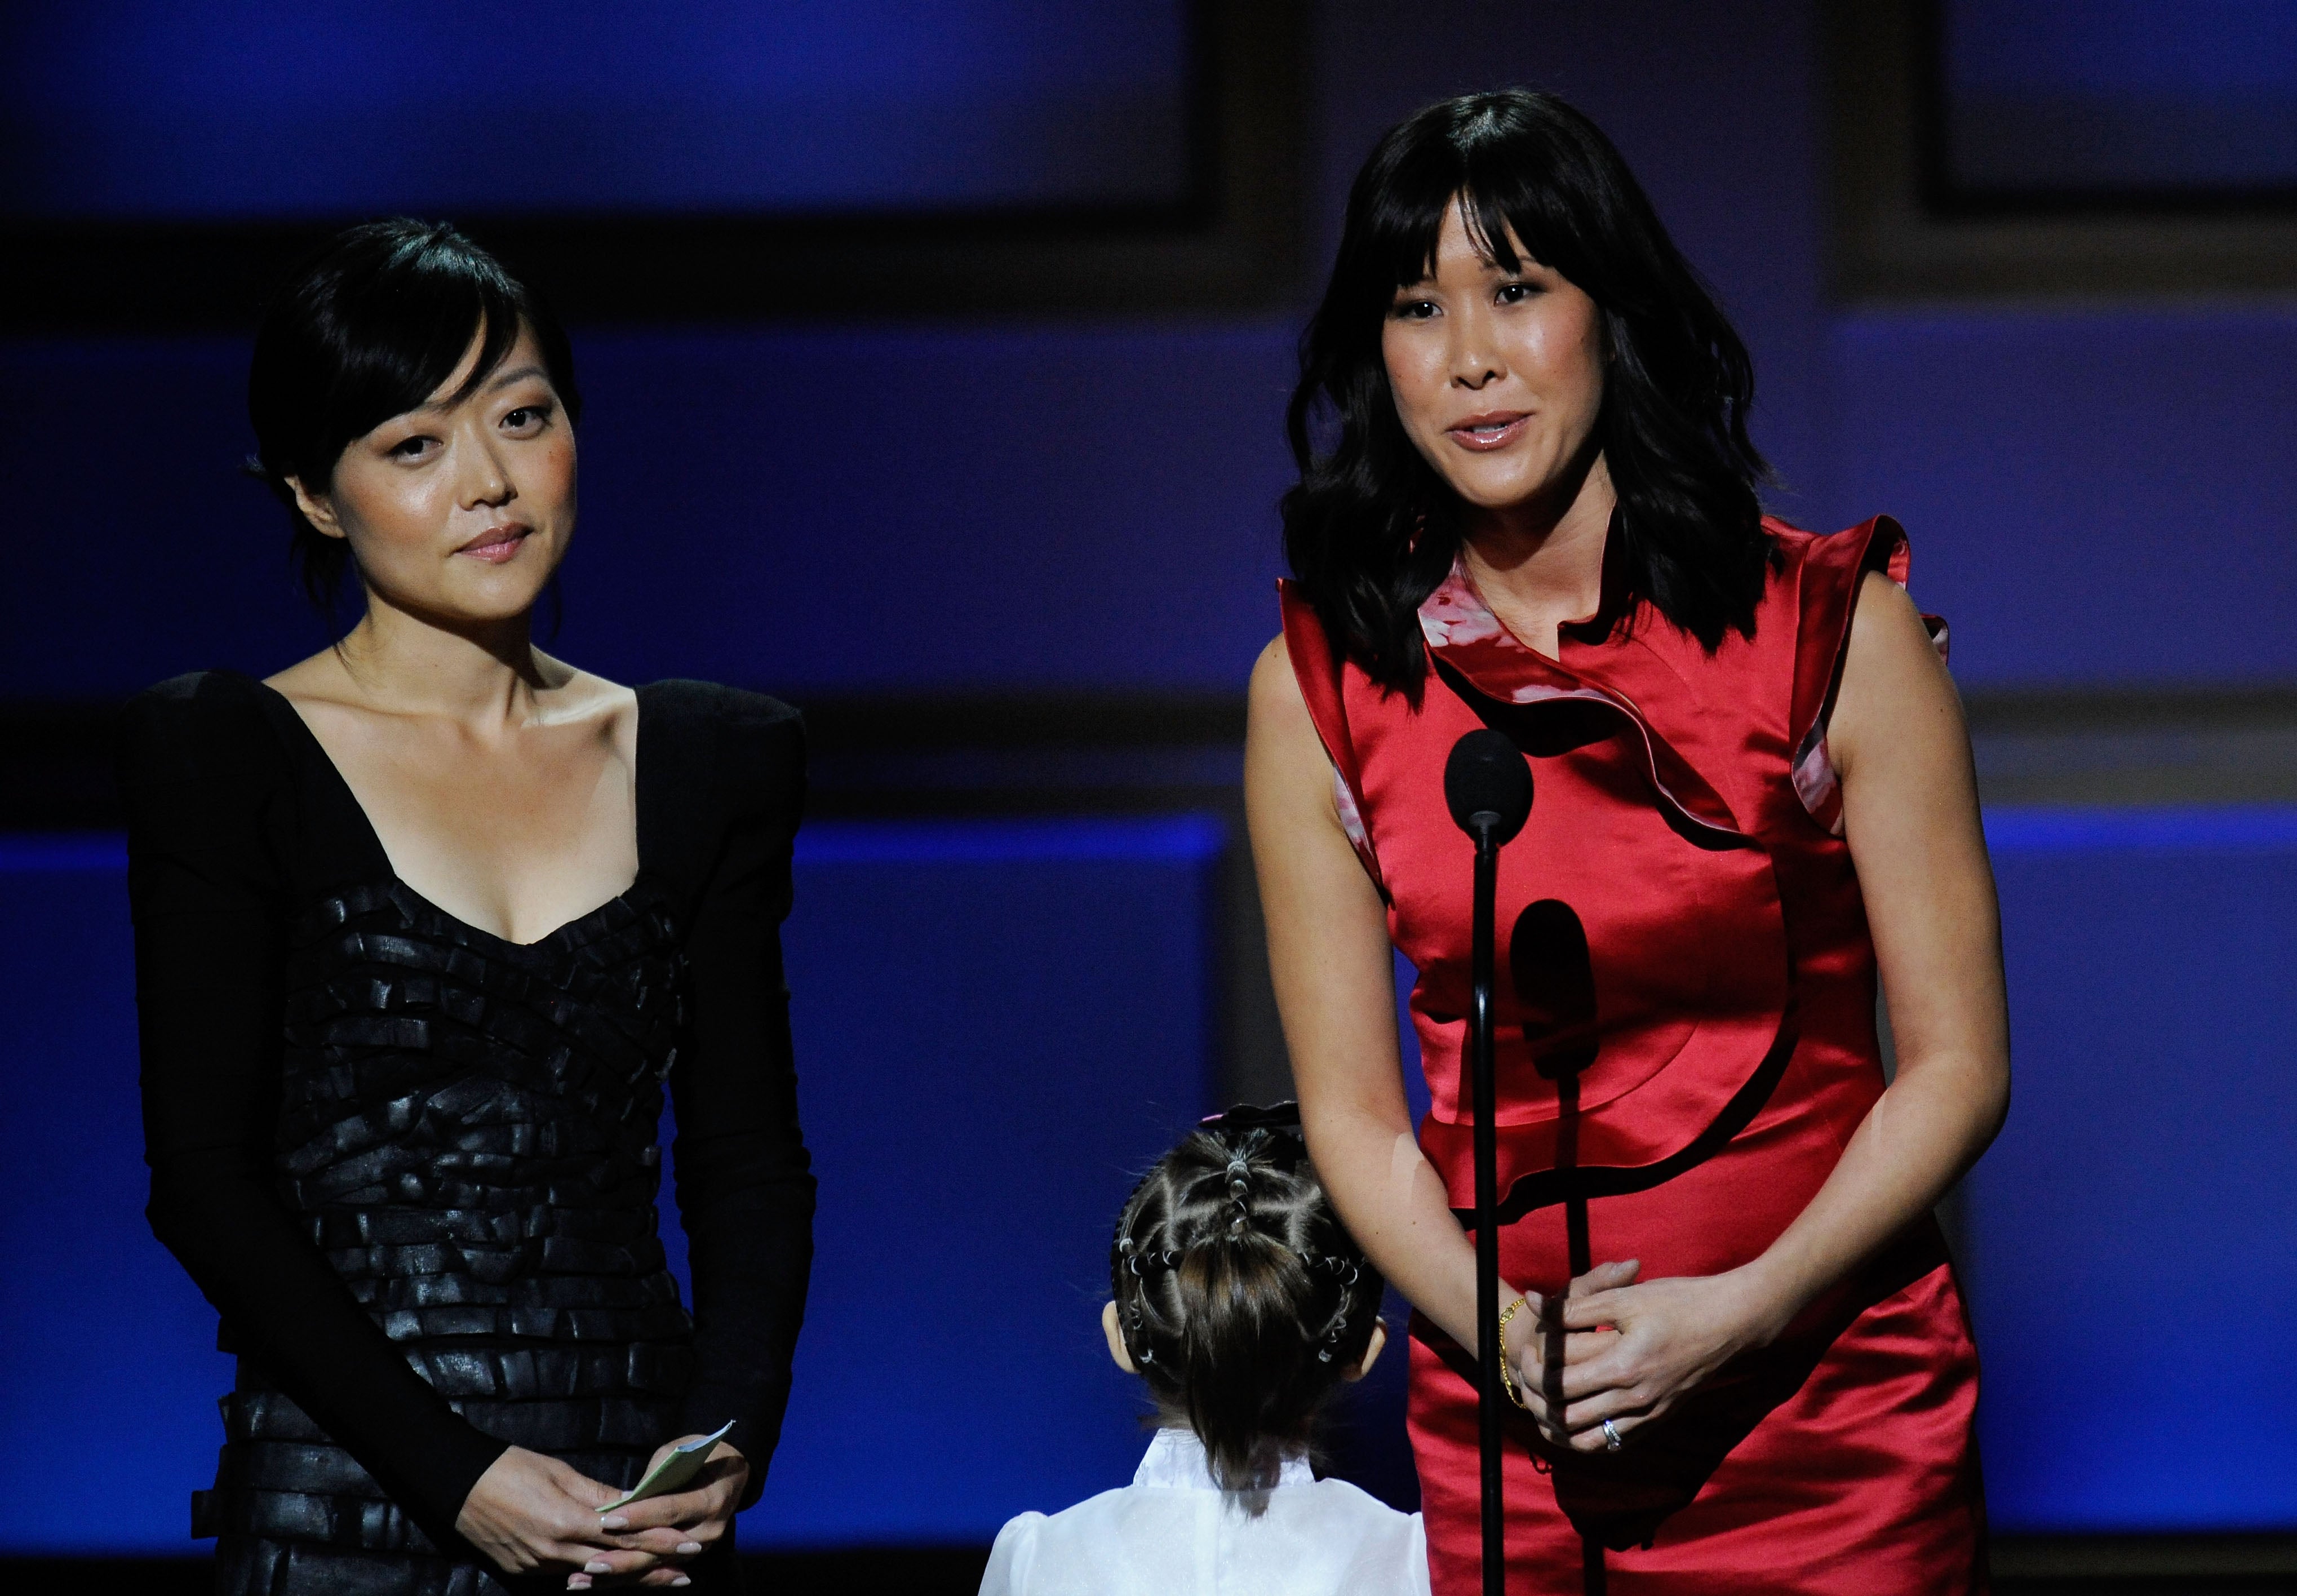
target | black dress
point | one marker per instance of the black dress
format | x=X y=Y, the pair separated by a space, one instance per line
x=414 y=1165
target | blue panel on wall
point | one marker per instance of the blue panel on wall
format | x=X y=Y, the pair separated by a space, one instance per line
x=2178 y=95
x=998 y=1026
x=2131 y=1232
x=128 y=110
x=110 y=1420
x=2095 y=497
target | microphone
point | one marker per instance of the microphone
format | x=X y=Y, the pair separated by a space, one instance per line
x=1487 y=787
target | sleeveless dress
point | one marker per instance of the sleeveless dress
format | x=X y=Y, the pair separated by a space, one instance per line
x=458 y=1137
x=1685 y=1043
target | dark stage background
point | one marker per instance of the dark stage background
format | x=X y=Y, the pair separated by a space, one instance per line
x=990 y=496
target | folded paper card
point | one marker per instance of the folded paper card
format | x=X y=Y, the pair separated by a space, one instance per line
x=679 y=1466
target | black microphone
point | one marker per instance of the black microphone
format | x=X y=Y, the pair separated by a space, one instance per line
x=1487 y=787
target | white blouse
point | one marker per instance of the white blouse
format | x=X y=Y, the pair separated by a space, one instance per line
x=1174 y=1533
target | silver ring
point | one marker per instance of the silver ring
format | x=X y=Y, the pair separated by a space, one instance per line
x=1612 y=1441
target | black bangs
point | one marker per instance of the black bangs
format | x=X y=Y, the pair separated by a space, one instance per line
x=368 y=328
x=401 y=332
x=1484 y=166
x=1370 y=528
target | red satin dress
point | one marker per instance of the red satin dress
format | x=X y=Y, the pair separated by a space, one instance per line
x=1685 y=1043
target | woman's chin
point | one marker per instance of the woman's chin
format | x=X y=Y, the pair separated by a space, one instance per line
x=471 y=606
x=1512 y=493
x=1507 y=489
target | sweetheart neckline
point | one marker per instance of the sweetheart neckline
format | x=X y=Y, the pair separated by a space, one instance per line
x=390 y=869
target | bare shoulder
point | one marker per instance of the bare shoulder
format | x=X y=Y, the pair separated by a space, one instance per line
x=569 y=695
x=1275 y=689
x=1278 y=731
x=320 y=678
x=1889 y=639
x=330 y=702
x=589 y=708
x=1884 y=606
x=1895 y=688
x=1286 y=765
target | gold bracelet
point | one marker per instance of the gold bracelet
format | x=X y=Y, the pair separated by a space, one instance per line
x=1507 y=1375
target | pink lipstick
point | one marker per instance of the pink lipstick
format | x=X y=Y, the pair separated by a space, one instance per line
x=1493 y=430
x=497 y=545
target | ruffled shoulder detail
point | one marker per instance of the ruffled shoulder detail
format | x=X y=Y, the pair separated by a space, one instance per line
x=1830 y=570
x=1466 y=640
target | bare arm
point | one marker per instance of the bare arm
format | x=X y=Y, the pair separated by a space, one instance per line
x=1910 y=808
x=1910 y=814
x=1329 y=952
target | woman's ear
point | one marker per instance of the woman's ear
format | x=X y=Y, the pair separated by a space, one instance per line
x=317 y=509
x=1371 y=1350
x=1108 y=1328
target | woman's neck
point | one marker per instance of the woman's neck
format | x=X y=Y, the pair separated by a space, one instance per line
x=480 y=674
x=1539 y=565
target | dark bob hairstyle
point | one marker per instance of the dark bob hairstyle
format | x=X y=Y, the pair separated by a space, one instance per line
x=1370 y=528
x=368 y=328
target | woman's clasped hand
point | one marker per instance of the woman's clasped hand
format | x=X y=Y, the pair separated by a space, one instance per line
x=529 y=1512
x=1612 y=1349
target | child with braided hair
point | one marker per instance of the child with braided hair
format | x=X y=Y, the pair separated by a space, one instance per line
x=1242 y=1304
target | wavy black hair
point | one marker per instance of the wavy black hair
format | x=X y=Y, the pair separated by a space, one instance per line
x=1370 y=528
x=1242 y=1299
x=364 y=329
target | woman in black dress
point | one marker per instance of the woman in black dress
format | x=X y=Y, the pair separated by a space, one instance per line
x=424 y=925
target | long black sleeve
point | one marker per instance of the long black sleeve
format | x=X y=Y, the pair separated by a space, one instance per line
x=205 y=787
x=746 y=1191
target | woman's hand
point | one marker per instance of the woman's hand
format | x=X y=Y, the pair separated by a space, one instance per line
x=1537 y=1346
x=1612 y=1349
x=653 y=1537
x=529 y=1510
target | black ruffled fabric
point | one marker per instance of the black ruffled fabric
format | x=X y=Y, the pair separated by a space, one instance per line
x=466 y=1132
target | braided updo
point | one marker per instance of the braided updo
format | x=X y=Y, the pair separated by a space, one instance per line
x=1242 y=1300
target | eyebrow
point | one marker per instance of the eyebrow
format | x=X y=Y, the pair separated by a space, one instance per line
x=515 y=374
x=499 y=380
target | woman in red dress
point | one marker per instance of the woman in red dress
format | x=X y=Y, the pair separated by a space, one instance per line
x=1528 y=502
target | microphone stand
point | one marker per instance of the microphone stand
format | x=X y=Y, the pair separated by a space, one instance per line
x=1487 y=787
x=1490 y=1420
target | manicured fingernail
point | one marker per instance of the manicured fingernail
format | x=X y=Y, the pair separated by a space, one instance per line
x=689 y=1547
x=681 y=1580
x=615 y=1521
x=597 y=1568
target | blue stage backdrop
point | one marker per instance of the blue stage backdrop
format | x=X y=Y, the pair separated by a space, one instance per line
x=2130 y=1233
x=2114 y=95
x=998 y=1025
x=232 y=109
